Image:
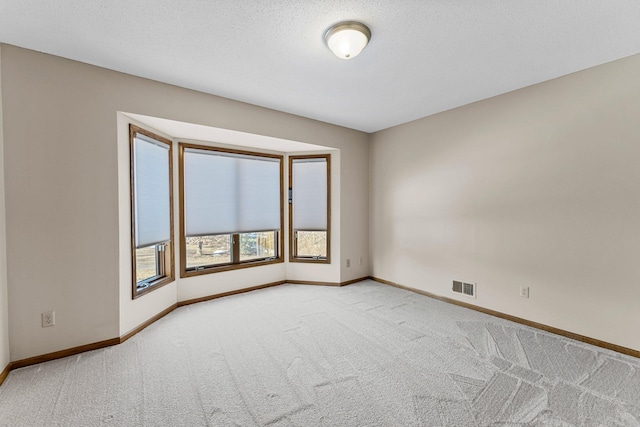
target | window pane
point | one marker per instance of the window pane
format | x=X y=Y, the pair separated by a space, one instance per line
x=226 y=193
x=146 y=265
x=209 y=193
x=312 y=244
x=258 y=194
x=257 y=245
x=151 y=207
x=309 y=202
x=310 y=193
x=151 y=191
x=208 y=250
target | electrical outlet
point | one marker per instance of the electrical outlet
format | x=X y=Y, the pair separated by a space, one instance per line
x=348 y=262
x=48 y=318
x=360 y=260
x=524 y=291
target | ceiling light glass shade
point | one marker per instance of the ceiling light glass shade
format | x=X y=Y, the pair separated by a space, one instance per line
x=347 y=39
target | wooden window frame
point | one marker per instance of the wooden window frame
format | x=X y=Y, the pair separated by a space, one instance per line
x=292 y=237
x=164 y=264
x=235 y=263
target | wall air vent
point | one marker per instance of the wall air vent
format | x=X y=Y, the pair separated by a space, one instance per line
x=464 y=288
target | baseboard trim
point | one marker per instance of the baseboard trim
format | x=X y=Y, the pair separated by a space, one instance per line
x=307 y=282
x=114 y=341
x=226 y=294
x=582 y=338
x=351 y=282
x=63 y=353
x=4 y=373
x=140 y=327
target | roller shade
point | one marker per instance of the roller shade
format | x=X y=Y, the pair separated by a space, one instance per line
x=151 y=191
x=228 y=193
x=309 y=194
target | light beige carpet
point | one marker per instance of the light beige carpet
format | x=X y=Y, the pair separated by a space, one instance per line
x=363 y=355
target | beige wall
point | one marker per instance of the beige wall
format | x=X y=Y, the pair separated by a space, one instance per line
x=64 y=205
x=354 y=198
x=4 y=304
x=538 y=187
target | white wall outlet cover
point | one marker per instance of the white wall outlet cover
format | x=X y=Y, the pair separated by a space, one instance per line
x=48 y=318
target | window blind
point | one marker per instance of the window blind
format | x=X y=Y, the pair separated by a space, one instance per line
x=309 y=194
x=228 y=193
x=151 y=191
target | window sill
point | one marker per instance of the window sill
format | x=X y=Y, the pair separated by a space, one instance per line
x=310 y=260
x=230 y=267
x=151 y=286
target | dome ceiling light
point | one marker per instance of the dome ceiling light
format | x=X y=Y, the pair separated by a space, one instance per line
x=347 y=39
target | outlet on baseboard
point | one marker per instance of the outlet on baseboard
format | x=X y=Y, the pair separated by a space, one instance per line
x=48 y=318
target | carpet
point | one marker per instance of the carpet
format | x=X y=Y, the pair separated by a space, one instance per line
x=362 y=355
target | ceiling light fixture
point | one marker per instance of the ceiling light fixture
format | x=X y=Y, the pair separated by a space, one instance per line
x=347 y=39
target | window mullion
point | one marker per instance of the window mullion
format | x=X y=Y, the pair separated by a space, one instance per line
x=160 y=251
x=235 y=247
x=295 y=243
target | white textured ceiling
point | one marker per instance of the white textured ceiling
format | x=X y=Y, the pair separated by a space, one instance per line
x=425 y=56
